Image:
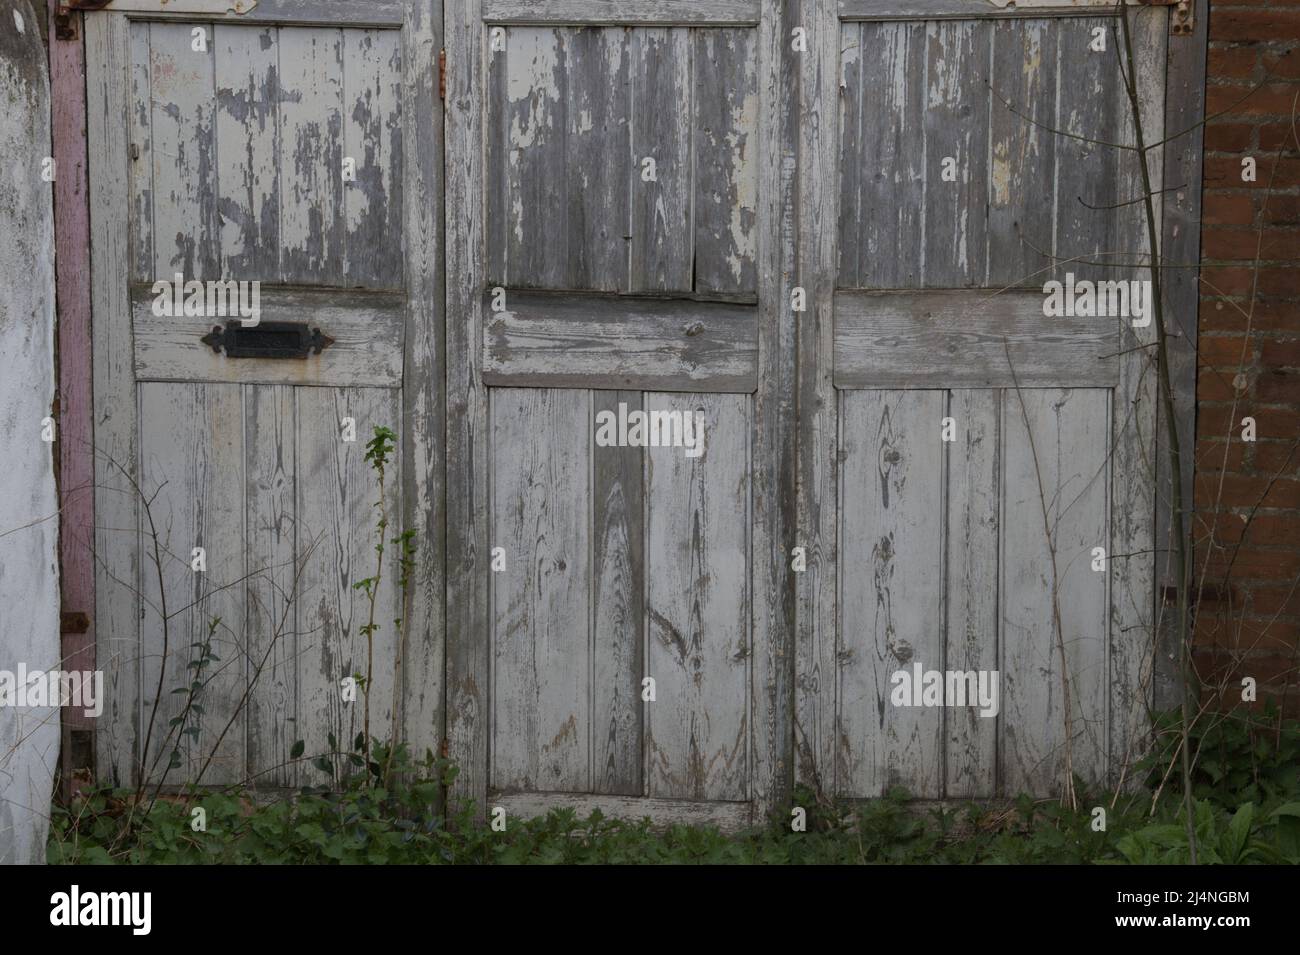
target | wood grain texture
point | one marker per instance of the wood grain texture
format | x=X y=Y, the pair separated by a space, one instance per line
x=247 y=129
x=336 y=496
x=729 y=817
x=964 y=9
x=367 y=328
x=372 y=136
x=956 y=127
x=892 y=543
x=421 y=676
x=335 y=12
x=1064 y=469
x=187 y=458
x=1021 y=163
x=76 y=361
x=899 y=339
x=468 y=715
x=973 y=470
x=271 y=535
x=117 y=556
x=774 y=451
x=662 y=243
x=312 y=226
x=182 y=101
x=697 y=602
x=726 y=161
x=622 y=11
x=618 y=618
x=1136 y=484
x=541 y=517
x=560 y=340
x=815 y=238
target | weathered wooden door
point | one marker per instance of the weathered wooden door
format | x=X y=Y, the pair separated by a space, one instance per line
x=295 y=146
x=611 y=184
x=975 y=478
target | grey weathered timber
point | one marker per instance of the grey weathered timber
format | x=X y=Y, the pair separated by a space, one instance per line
x=891 y=558
x=618 y=620
x=188 y=456
x=1135 y=412
x=367 y=328
x=662 y=229
x=965 y=9
x=351 y=13
x=228 y=163
x=773 y=453
x=271 y=536
x=541 y=650
x=697 y=603
x=420 y=668
x=117 y=545
x=950 y=338
x=728 y=817
x=247 y=101
x=970 y=611
x=1063 y=469
x=815 y=240
x=336 y=496
x=574 y=340
x=726 y=160
x=691 y=12
x=468 y=652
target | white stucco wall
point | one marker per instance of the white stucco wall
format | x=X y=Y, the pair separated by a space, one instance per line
x=29 y=595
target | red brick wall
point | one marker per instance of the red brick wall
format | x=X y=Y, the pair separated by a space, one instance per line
x=1248 y=503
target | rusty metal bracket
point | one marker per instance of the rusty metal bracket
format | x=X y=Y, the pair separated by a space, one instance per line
x=1182 y=19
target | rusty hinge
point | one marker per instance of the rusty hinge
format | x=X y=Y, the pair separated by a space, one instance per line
x=1182 y=20
x=442 y=74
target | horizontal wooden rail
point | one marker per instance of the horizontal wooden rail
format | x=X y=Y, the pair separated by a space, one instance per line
x=972 y=9
x=726 y=816
x=367 y=328
x=623 y=12
x=590 y=340
x=959 y=339
x=340 y=13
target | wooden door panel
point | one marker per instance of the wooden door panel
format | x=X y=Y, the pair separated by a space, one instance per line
x=282 y=150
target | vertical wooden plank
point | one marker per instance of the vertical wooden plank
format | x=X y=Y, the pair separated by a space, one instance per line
x=618 y=606
x=270 y=476
x=117 y=604
x=814 y=241
x=192 y=450
x=372 y=137
x=312 y=225
x=661 y=119
x=467 y=517
x=774 y=455
x=1136 y=483
x=336 y=496
x=891 y=540
x=895 y=168
x=140 y=169
x=248 y=151
x=698 y=604
x=75 y=350
x=956 y=127
x=535 y=193
x=1087 y=105
x=597 y=148
x=1021 y=155
x=852 y=142
x=421 y=678
x=541 y=445
x=971 y=588
x=1066 y=467
x=500 y=163
x=726 y=160
x=186 y=228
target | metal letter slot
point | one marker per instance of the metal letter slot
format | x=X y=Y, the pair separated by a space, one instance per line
x=267 y=340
